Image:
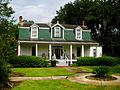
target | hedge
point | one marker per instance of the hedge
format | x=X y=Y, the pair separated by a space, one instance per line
x=93 y=61
x=28 y=61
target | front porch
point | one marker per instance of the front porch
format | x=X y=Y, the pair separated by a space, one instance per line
x=64 y=53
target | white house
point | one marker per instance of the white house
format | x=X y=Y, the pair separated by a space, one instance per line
x=57 y=42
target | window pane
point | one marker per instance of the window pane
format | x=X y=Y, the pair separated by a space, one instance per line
x=57 y=32
x=34 y=31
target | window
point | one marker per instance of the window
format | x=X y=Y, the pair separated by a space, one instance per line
x=34 y=32
x=33 y=51
x=78 y=51
x=57 y=32
x=79 y=33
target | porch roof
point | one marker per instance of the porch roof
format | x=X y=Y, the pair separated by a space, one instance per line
x=57 y=41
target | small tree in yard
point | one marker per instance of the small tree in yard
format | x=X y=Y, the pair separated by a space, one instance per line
x=8 y=42
x=101 y=71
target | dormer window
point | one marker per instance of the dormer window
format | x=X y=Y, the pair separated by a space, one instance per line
x=78 y=33
x=34 y=31
x=57 y=32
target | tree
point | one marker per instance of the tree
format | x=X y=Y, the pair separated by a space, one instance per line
x=8 y=42
x=101 y=16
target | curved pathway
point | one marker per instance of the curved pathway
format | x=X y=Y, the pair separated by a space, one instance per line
x=80 y=78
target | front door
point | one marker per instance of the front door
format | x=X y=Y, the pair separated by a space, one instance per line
x=58 y=51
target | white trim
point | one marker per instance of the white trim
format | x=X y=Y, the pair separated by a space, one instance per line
x=37 y=28
x=69 y=29
x=76 y=37
x=63 y=34
x=82 y=52
x=43 y=28
x=34 y=25
x=19 y=49
x=87 y=30
x=36 y=47
x=71 y=54
x=51 y=32
x=59 y=42
x=25 y=27
x=50 y=51
x=58 y=25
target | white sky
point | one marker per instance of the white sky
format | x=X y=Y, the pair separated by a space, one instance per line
x=41 y=11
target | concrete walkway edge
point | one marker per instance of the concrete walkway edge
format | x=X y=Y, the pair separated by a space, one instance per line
x=36 y=78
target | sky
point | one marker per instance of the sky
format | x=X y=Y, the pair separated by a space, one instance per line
x=41 y=11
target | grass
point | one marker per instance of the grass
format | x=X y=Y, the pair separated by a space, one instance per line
x=60 y=84
x=113 y=69
x=42 y=72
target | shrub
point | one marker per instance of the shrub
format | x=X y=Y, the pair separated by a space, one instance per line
x=4 y=74
x=92 y=61
x=101 y=71
x=28 y=61
x=107 y=61
x=86 y=61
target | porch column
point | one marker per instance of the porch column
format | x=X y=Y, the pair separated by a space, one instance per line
x=82 y=52
x=36 y=49
x=19 y=49
x=50 y=53
x=70 y=54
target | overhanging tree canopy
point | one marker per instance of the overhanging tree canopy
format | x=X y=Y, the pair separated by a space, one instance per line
x=101 y=16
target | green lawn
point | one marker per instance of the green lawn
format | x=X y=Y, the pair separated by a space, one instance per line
x=60 y=84
x=43 y=72
x=113 y=69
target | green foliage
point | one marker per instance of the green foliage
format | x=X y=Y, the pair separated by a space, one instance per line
x=93 y=61
x=86 y=61
x=28 y=61
x=8 y=32
x=101 y=71
x=4 y=74
x=104 y=24
x=8 y=42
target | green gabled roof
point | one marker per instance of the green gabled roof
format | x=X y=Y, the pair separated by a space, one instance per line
x=69 y=35
x=44 y=33
x=24 y=33
x=86 y=35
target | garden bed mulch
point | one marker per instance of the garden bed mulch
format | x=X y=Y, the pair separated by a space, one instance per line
x=108 y=78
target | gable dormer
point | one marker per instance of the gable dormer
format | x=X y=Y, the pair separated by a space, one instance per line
x=57 y=31
x=78 y=33
x=34 y=31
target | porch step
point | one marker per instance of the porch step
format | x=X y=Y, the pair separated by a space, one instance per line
x=62 y=63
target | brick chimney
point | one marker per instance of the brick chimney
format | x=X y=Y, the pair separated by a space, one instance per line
x=83 y=23
x=20 y=19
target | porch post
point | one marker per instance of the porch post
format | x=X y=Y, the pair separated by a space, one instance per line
x=71 y=54
x=19 y=49
x=50 y=53
x=82 y=51
x=36 y=49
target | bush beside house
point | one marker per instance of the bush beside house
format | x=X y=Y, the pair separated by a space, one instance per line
x=28 y=61
x=4 y=74
x=93 y=61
